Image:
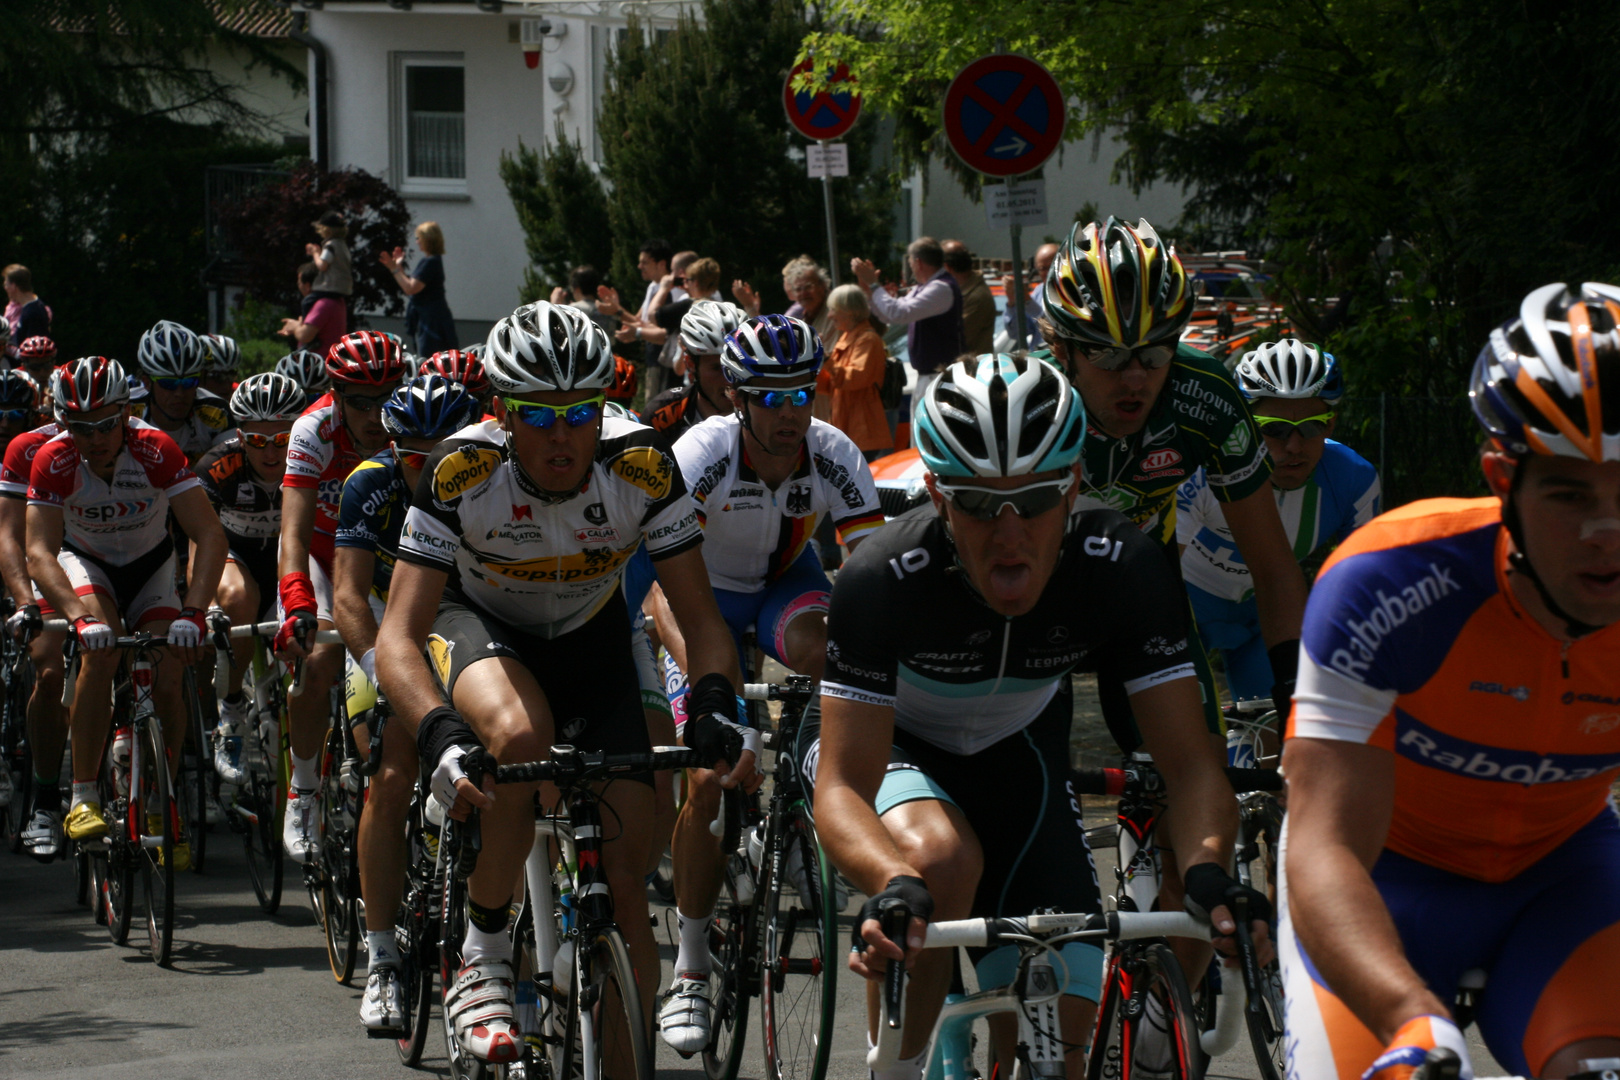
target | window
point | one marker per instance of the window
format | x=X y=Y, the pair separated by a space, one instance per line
x=430 y=133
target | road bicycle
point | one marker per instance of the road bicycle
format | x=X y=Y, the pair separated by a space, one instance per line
x=16 y=755
x=416 y=926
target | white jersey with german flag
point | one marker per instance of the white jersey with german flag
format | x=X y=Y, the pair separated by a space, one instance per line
x=540 y=565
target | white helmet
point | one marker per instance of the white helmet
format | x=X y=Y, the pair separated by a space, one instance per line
x=268 y=395
x=1289 y=368
x=544 y=346
x=706 y=324
x=170 y=351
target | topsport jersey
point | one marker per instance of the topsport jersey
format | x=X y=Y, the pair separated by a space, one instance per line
x=753 y=533
x=18 y=464
x=1340 y=496
x=1505 y=739
x=538 y=564
x=120 y=520
x=321 y=456
x=1199 y=421
x=248 y=508
x=906 y=629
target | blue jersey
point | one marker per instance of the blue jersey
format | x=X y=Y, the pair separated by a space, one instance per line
x=372 y=513
x=1341 y=495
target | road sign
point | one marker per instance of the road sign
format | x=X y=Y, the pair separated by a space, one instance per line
x=1020 y=203
x=827 y=113
x=1004 y=115
x=827 y=159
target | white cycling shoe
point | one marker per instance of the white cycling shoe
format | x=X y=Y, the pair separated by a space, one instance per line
x=683 y=1018
x=43 y=837
x=298 y=834
x=228 y=746
x=382 y=1009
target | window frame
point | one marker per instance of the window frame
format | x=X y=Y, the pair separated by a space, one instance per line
x=399 y=121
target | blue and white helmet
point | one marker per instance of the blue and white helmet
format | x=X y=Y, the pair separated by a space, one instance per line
x=429 y=407
x=772 y=346
x=1289 y=368
x=1000 y=415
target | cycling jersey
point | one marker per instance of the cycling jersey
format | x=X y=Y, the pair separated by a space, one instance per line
x=17 y=466
x=907 y=630
x=674 y=412
x=375 y=501
x=117 y=521
x=541 y=564
x=1199 y=421
x=248 y=508
x=1340 y=496
x=209 y=422
x=320 y=457
x=753 y=533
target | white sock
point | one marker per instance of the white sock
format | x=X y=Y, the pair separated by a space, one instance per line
x=693 y=956
x=85 y=792
x=305 y=777
x=904 y=1069
x=478 y=945
x=380 y=944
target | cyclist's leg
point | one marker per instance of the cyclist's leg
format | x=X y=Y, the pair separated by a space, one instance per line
x=47 y=720
x=308 y=709
x=792 y=621
x=381 y=832
x=240 y=598
x=660 y=721
x=89 y=717
x=151 y=606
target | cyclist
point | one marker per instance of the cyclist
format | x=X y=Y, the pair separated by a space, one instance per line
x=222 y=359
x=242 y=477
x=307 y=368
x=1324 y=491
x=1454 y=738
x=99 y=551
x=36 y=354
x=376 y=496
x=703 y=337
x=171 y=360
x=761 y=476
x=510 y=559
x=460 y=366
x=951 y=638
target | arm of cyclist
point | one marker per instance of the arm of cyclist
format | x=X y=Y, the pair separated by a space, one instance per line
x=44 y=541
x=352 y=569
x=413 y=693
x=298 y=506
x=709 y=646
x=669 y=631
x=23 y=625
x=1279 y=584
x=196 y=516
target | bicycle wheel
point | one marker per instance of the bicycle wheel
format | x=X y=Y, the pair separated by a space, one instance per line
x=256 y=815
x=1162 y=1035
x=199 y=780
x=16 y=757
x=152 y=830
x=96 y=870
x=733 y=942
x=797 y=998
x=340 y=863
x=605 y=1033
x=117 y=856
x=463 y=1066
x=411 y=937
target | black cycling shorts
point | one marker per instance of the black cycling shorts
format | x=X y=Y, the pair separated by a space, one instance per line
x=588 y=676
x=259 y=566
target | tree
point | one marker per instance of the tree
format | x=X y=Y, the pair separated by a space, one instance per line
x=1429 y=161
x=269 y=227
x=562 y=208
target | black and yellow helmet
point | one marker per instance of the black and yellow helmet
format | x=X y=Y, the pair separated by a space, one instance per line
x=1114 y=284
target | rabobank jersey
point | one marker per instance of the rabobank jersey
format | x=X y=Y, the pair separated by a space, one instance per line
x=1506 y=740
x=540 y=564
x=1341 y=496
x=753 y=533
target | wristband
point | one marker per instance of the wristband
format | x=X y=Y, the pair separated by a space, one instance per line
x=441 y=728
x=1284 y=657
x=297 y=593
x=712 y=694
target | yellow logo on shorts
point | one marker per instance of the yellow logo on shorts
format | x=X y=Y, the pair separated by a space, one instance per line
x=646 y=468
x=438 y=653
x=462 y=470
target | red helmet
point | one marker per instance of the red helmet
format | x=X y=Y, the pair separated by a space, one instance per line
x=460 y=367
x=38 y=347
x=624 y=381
x=91 y=383
x=366 y=358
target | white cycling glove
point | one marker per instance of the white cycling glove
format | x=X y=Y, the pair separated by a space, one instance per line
x=93 y=634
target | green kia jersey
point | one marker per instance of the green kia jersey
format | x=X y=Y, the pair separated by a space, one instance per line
x=1199 y=421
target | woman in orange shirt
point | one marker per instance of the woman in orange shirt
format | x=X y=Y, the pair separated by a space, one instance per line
x=854 y=373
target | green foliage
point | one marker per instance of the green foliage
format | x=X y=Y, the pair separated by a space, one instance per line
x=260 y=355
x=1432 y=161
x=563 y=210
x=254 y=319
x=696 y=149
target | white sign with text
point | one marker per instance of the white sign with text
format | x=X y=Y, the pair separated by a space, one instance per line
x=1021 y=203
x=828 y=159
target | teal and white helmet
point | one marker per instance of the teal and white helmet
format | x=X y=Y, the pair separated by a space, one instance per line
x=999 y=415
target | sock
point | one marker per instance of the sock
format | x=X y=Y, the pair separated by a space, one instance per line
x=85 y=793
x=486 y=932
x=693 y=956
x=48 y=794
x=383 y=949
x=904 y=1069
x=305 y=777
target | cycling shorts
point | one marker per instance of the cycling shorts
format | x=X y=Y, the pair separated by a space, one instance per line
x=588 y=675
x=1030 y=831
x=1547 y=940
x=260 y=568
x=1233 y=627
x=142 y=591
x=321 y=578
x=1116 y=703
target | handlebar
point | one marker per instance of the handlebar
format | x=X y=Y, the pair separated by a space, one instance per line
x=798 y=690
x=569 y=764
x=1119 y=781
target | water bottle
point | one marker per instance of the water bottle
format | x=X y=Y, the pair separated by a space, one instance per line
x=432 y=827
x=123 y=742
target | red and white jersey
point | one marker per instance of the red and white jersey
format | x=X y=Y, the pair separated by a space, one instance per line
x=320 y=457
x=120 y=520
x=18 y=464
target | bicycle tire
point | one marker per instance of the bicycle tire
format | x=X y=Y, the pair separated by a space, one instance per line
x=1114 y=1042
x=16 y=755
x=412 y=941
x=463 y=1066
x=257 y=815
x=156 y=803
x=798 y=989
x=98 y=873
x=201 y=781
x=603 y=1014
x=340 y=864
x=117 y=889
x=733 y=942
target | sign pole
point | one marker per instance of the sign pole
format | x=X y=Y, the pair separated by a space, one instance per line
x=1020 y=294
x=832 y=228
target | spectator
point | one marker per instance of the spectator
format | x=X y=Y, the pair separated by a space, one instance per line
x=932 y=310
x=427 y=312
x=654 y=264
x=583 y=284
x=334 y=275
x=1032 y=309
x=701 y=280
x=643 y=327
x=978 y=306
x=857 y=365
x=323 y=322
x=26 y=313
x=806 y=285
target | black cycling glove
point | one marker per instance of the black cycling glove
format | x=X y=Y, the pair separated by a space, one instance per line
x=709 y=730
x=905 y=894
x=1209 y=886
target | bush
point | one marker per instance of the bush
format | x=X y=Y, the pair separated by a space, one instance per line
x=260 y=355
x=562 y=208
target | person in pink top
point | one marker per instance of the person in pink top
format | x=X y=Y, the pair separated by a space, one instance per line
x=323 y=322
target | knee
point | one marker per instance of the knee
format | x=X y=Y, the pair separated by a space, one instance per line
x=512 y=739
x=325 y=664
x=703 y=790
x=949 y=863
x=390 y=791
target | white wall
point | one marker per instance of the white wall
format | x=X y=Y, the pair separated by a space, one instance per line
x=283 y=109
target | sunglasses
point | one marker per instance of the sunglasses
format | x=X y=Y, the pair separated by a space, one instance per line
x=775 y=399
x=411 y=459
x=543 y=416
x=94 y=427
x=1118 y=357
x=13 y=415
x=1275 y=427
x=255 y=441
x=176 y=384
x=364 y=403
x=1029 y=501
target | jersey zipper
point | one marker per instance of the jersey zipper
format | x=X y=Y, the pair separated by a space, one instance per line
x=1006 y=643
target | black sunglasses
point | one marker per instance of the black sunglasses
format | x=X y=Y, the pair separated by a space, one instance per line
x=1030 y=501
